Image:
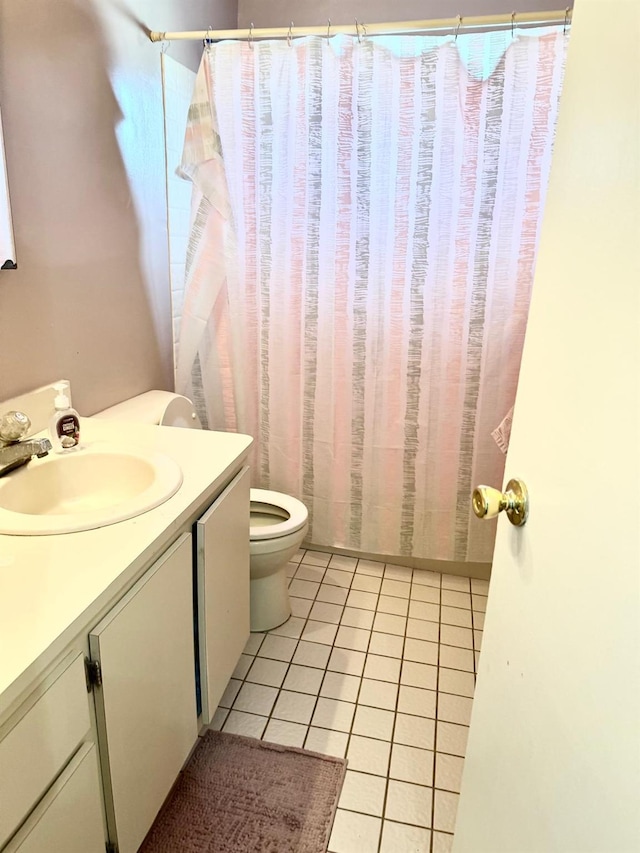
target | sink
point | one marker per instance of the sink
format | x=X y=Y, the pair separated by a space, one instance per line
x=90 y=487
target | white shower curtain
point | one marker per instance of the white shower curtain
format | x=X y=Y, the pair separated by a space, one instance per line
x=365 y=218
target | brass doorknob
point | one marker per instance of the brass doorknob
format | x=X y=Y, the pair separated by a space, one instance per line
x=488 y=502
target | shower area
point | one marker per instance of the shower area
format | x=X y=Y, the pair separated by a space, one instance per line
x=352 y=255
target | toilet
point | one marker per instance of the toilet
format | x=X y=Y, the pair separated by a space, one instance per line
x=278 y=522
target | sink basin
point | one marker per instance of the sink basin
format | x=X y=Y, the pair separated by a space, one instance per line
x=91 y=487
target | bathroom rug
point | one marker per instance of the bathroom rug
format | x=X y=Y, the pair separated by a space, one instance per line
x=242 y=795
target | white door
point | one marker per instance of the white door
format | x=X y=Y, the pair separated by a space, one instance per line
x=553 y=762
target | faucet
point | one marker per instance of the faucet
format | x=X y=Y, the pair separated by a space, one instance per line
x=15 y=450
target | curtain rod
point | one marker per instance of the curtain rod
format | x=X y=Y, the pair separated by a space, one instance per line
x=513 y=20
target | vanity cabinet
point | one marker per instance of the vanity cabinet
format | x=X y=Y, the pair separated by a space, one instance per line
x=146 y=704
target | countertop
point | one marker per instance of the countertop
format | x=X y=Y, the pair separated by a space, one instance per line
x=51 y=587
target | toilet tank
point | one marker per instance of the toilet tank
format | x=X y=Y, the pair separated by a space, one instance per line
x=155 y=407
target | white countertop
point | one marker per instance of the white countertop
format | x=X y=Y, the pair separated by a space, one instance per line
x=52 y=586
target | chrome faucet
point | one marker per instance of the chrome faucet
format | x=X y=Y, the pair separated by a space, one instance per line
x=15 y=450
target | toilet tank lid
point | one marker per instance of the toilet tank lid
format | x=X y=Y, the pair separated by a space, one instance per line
x=155 y=407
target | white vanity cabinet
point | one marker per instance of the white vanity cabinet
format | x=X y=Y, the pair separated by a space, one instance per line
x=146 y=704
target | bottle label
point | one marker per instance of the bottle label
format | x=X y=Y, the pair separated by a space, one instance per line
x=68 y=429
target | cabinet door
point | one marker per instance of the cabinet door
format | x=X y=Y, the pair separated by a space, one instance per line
x=223 y=589
x=145 y=707
x=69 y=817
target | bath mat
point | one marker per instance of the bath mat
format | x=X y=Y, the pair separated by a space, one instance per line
x=241 y=795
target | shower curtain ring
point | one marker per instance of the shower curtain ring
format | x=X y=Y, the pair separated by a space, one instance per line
x=328 y=27
x=250 y=36
x=358 y=32
x=289 y=34
x=513 y=24
x=207 y=38
x=566 y=20
x=455 y=38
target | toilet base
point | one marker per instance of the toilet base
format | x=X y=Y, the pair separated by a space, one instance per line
x=270 y=604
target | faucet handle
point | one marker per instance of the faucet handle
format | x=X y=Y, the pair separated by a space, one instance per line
x=14 y=426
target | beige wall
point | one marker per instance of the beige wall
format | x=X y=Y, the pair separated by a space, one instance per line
x=277 y=13
x=81 y=98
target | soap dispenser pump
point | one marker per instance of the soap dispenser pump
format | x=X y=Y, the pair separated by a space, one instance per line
x=64 y=425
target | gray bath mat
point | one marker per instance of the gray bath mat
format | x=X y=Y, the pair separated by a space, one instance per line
x=241 y=795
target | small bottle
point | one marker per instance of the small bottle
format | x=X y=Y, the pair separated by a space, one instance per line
x=64 y=426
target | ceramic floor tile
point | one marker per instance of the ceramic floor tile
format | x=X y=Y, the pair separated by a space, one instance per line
x=454 y=709
x=455 y=681
x=294 y=707
x=378 y=694
x=287 y=734
x=419 y=675
x=417 y=701
x=448 y=775
x=300 y=606
x=277 y=648
x=407 y=803
x=424 y=610
x=317 y=558
x=337 y=685
x=309 y=573
x=230 y=693
x=291 y=569
x=332 y=594
x=354 y=833
x=398 y=573
x=266 y=671
x=333 y=714
x=366 y=583
x=418 y=629
x=253 y=643
x=442 y=842
x=346 y=660
x=430 y=594
x=356 y=618
x=323 y=612
x=415 y=731
x=394 y=606
x=478 y=620
x=218 y=719
x=323 y=633
x=477 y=660
x=445 y=806
x=389 y=645
x=249 y=725
x=291 y=628
x=421 y=651
x=456 y=582
x=311 y=654
x=353 y=638
x=363 y=792
x=373 y=722
x=255 y=699
x=479 y=603
x=452 y=738
x=456 y=658
x=398 y=837
x=427 y=578
x=397 y=589
x=338 y=561
x=479 y=587
x=304 y=589
x=450 y=635
x=389 y=624
x=303 y=679
x=410 y=764
x=336 y=577
x=363 y=600
x=327 y=742
x=370 y=567
x=451 y=598
x=477 y=640
x=455 y=616
x=242 y=667
x=297 y=557
x=368 y=755
x=381 y=668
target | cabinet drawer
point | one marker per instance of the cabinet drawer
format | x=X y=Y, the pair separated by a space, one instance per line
x=69 y=817
x=40 y=744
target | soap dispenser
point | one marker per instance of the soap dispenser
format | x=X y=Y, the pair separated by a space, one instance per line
x=64 y=425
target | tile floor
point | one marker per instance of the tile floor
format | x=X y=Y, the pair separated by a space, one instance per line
x=377 y=663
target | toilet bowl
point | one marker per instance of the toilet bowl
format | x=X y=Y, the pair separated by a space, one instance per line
x=278 y=522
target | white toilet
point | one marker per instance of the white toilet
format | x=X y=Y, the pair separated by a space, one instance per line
x=278 y=522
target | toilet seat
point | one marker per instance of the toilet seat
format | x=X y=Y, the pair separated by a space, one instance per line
x=296 y=510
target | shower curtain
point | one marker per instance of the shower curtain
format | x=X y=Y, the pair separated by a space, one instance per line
x=365 y=216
